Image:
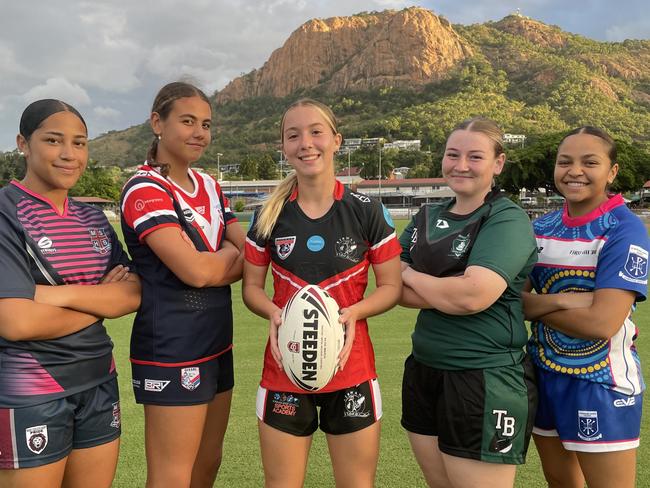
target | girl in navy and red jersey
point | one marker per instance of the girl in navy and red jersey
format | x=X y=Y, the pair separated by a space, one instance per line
x=592 y=270
x=181 y=233
x=62 y=269
x=313 y=230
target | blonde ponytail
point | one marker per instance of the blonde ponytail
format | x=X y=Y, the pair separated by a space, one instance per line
x=271 y=209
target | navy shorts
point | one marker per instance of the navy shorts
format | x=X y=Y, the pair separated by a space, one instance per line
x=586 y=416
x=42 y=434
x=341 y=412
x=191 y=384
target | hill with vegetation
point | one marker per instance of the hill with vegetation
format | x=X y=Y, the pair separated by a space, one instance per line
x=410 y=74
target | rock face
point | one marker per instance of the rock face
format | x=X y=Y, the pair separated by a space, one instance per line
x=411 y=47
x=536 y=32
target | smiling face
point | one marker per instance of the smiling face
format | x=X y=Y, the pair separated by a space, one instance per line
x=470 y=163
x=309 y=141
x=583 y=169
x=185 y=132
x=56 y=153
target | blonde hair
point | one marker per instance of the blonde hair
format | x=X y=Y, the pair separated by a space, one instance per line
x=271 y=209
x=485 y=126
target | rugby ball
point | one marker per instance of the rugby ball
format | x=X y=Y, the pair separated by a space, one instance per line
x=310 y=338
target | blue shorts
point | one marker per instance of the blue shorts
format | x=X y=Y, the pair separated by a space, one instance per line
x=586 y=416
x=42 y=434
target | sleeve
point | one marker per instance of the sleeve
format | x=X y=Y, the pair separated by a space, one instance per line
x=623 y=261
x=407 y=239
x=118 y=255
x=382 y=238
x=147 y=207
x=256 y=250
x=16 y=280
x=504 y=244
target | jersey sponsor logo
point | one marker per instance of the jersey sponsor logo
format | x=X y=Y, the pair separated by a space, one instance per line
x=155 y=385
x=140 y=204
x=346 y=248
x=361 y=198
x=387 y=217
x=624 y=402
x=459 y=246
x=354 y=404
x=284 y=404
x=45 y=245
x=190 y=378
x=315 y=243
x=505 y=431
x=189 y=215
x=100 y=241
x=414 y=238
x=136 y=383
x=201 y=209
x=442 y=224
x=117 y=416
x=284 y=246
x=588 y=425
x=636 y=265
x=36 y=438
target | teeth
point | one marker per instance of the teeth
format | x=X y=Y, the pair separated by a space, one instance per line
x=308 y=158
x=576 y=183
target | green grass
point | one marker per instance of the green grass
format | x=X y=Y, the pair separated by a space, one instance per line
x=242 y=465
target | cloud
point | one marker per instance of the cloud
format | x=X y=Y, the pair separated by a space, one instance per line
x=106 y=113
x=58 y=88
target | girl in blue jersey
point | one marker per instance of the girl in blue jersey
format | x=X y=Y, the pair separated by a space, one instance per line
x=186 y=241
x=59 y=402
x=592 y=269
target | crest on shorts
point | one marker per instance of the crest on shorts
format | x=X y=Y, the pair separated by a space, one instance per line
x=355 y=405
x=459 y=246
x=588 y=425
x=36 y=438
x=100 y=241
x=117 y=416
x=190 y=378
x=284 y=246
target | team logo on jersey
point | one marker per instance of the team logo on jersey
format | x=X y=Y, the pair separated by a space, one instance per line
x=459 y=246
x=100 y=241
x=155 y=385
x=361 y=198
x=346 y=248
x=117 y=416
x=442 y=224
x=315 y=243
x=201 y=209
x=190 y=378
x=355 y=405
x=414 y=238
x=188 y=214
x=45 y=245
x=636 y=265
x=505 y=431
x=284 y=246
x=588 y=425
x=36 y=438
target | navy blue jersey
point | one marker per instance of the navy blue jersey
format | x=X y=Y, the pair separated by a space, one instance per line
x=40 y=246
x=177 y=324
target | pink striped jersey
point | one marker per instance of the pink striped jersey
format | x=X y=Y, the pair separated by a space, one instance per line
x=41 y=246
x=176 y=323
x=607 y=248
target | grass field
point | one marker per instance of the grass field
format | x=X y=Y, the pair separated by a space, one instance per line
x=242 y=465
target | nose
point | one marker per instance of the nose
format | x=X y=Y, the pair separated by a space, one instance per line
x=67 y=151
x=306 y=141
x=462 y=163
x=575 y=169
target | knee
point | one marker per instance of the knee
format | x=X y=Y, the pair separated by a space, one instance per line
x=563 y=479
x=205 y=471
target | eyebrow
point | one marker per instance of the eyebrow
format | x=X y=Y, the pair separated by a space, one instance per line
x=310 y=125
x=61 y=134
x=470 y=151
x=193 y=117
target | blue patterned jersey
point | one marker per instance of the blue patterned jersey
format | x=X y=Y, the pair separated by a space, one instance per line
x=607 y=248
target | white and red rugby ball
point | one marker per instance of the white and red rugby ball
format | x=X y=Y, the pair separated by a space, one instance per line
x=310 y=338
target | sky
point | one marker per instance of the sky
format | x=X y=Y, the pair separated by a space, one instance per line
x=108 y=58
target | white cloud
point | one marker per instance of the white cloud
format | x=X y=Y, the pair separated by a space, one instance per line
x=106 y=113
x=58 y=88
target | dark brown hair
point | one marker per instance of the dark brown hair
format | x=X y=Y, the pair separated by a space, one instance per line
x=36 y=112
x=597 y=132
x=162 y=105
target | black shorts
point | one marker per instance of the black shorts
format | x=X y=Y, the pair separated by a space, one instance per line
x=341 y=412
x=483 y=414
x=42 y=434
x=192 y=384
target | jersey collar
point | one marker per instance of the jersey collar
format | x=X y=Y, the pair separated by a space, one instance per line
x=603 y=208
x=338 y=192
x=43 y=199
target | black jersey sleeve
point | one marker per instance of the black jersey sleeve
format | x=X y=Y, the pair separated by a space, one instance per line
x=15 y=277
x=118 y=254
x=406 y=240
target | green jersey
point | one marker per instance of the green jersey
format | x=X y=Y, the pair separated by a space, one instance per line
x=497 y=236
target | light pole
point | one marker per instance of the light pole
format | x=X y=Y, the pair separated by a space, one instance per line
x=281 y=161
x=219 y=166
x=379 y=147
x=348 y=149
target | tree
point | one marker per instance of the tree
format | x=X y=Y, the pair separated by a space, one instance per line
x=99 y=181
x=248 y=168
x=12 y=167
x=267 y=168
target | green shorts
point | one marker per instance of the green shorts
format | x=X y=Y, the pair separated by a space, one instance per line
x=483 y=414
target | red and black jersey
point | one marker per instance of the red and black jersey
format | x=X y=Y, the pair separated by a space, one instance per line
x=176 y=324
x=40 y=246
x=334 y=252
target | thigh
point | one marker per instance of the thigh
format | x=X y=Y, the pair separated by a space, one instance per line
x=92 y=466
x=561 y=467
x=172 y=439
x=284 y=457
x=48 y=476
x=429 y=458
x=470 y=473
x=607 y=469
x=354 y=456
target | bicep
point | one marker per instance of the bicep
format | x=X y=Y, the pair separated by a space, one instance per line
x=235 y=234
x=388 y=272
x=485 y=283
x=613 y=304
x=254 y=275
x=168 y=244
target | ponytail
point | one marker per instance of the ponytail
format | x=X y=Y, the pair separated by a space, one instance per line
x=271 y=209
x=151 y=158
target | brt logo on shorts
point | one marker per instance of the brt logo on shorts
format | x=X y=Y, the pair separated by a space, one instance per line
x=36 y=438
x=155 y=385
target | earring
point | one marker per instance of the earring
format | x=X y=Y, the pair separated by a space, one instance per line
x=159 y=137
